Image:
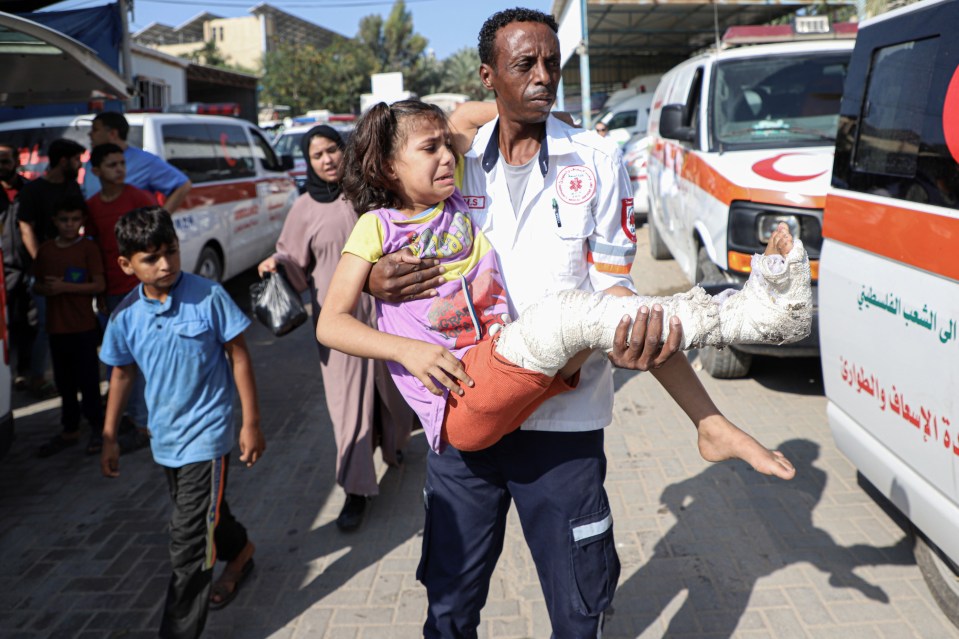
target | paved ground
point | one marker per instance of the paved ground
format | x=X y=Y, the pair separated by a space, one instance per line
x=707 y=550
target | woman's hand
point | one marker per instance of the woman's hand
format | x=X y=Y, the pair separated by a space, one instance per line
x=266 y=266
x=431 y=361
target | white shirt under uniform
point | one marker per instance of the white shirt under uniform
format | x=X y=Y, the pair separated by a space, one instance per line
x=573 y=230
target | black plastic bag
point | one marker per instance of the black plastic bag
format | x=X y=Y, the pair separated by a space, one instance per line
x=276 y=304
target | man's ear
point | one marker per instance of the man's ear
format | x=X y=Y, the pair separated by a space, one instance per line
x=125 y=265
x=486 y=74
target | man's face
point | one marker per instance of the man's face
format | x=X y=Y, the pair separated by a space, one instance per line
x=100 y=134
x=525 y=71
x=8 y=163
x=71 y=167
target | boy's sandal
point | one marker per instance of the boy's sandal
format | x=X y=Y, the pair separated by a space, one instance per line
x=55 y=445
x=220 y=589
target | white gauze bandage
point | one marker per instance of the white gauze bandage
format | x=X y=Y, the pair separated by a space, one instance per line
x=773 y=307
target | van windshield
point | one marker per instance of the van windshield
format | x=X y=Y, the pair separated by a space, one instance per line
x=33 y=143
x=778 y=100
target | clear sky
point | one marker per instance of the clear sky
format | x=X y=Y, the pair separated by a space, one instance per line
x=449 y=25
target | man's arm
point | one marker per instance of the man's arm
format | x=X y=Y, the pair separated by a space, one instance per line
x=176 y=198
x=252 y=442
x=29 y=238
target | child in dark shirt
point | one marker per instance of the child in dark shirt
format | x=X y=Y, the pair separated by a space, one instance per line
x=69 y=273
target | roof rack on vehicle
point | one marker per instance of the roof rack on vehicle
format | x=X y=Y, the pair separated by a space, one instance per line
x=802 y=28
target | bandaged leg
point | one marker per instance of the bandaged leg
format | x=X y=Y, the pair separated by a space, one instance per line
x=773 y=307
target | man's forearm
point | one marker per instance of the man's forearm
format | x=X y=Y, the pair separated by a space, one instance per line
x=29 y=238
x=176 y=198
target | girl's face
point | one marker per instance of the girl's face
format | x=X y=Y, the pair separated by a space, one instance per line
x=325 y=158
x=422 y=168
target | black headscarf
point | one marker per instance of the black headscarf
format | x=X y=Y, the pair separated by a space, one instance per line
x=318 y=188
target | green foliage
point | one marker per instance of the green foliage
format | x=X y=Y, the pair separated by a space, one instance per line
x=208 y=54
x=461 y=74
x=305 y=78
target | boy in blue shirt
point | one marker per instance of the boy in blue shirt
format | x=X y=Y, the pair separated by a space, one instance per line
x=183 y=332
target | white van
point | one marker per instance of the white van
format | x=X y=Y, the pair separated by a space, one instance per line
x=627 y=118
x=241 y=193
x=740 y=140
x=889 y=277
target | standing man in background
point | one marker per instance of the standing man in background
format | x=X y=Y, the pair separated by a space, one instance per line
x=145 y=171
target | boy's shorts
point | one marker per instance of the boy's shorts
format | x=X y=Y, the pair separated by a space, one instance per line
x=502 y=397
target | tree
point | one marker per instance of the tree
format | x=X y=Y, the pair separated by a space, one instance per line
x=396 y=47
x=461 y=74
x=304 y=78
x=208 y=54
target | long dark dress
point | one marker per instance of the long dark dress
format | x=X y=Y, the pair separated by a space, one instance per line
x=309 y=248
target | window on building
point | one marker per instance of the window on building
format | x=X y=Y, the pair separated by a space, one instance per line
x=152 y=93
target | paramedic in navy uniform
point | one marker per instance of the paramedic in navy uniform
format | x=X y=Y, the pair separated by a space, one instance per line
x=554 y=202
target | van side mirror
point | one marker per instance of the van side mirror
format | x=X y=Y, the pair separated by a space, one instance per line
x=286 y=162
x=671 y=123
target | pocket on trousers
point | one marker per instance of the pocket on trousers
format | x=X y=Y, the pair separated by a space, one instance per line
x=424 y=551
x=594 y=562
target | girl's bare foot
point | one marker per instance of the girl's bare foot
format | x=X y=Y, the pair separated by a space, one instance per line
x=720 y=439
x=780 y=241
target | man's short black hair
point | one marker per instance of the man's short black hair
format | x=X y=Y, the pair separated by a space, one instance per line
x=101 y=151
x=70 y=201
x=63 y=148
x=487 y=34
x=144 y=230
x=115 y=121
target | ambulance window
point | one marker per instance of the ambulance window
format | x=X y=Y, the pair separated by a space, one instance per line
x=900 y=150
x=190 y=148
x=264 y=153
x=622 y=120
x=693 y=101
x=234 y=152
x=892 y=118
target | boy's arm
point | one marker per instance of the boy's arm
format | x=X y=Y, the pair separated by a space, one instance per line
x=468 y=117
x=121 y=383
x=338 y=329
x=54 y=285
x=252 y=442
x=176 y=198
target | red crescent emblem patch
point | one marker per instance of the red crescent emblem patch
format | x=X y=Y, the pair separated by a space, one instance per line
x=767 y=169
x=950 y=116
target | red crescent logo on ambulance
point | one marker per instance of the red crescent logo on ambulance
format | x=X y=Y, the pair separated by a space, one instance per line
x=767 y=169
x=950 y=116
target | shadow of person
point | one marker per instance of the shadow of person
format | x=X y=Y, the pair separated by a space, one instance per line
x=732 y=527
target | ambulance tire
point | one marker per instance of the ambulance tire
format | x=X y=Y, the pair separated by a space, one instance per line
x=657 y=248
x=725 y=363
x=940 y=575
x=209 y=264
x=706 y=270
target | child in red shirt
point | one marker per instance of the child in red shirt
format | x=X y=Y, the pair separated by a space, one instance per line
x=114 y=200
x=69 y=272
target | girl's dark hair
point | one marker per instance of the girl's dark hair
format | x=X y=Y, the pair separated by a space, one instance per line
x=377 y=135
x=144 y=230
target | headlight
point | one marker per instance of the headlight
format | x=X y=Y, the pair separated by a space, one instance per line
x=766 y=224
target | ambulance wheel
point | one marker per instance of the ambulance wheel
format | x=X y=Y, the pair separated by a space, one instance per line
x=725 y=363
x=209 y=264
x=940 y=575
x=706 y=271
x=657 y=248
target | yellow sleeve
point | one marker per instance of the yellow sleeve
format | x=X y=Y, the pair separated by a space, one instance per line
x=459 y=172
x=366 y=240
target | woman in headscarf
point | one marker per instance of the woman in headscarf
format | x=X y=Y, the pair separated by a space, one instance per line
x=364 y=405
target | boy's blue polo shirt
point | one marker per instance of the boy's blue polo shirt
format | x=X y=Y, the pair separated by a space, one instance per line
x=179 y=347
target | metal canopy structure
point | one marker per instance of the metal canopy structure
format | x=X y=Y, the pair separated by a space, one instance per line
x=632 y=37
x=43 y=66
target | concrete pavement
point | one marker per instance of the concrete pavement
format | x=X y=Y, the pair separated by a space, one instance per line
x=708 y=550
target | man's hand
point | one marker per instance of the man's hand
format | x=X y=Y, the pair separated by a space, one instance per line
x=640 y=348
x=401 y=276
x=110 y=457
x=252 y=444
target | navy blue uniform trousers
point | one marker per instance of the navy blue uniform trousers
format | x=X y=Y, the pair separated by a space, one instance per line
x=556 y=481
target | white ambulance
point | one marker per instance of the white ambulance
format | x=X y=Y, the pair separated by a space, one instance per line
x=241 y=192
x=889 y=277
x=740 y=140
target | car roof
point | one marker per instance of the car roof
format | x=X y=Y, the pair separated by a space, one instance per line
x=134 y=119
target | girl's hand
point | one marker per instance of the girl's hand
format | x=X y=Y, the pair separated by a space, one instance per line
x=266 y=266
x=431 y=361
